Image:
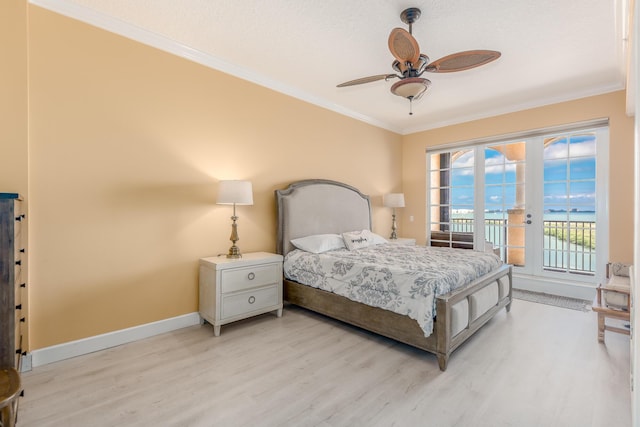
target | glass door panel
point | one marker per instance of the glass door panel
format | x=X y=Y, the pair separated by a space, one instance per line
x=504 y=202
x=569 y=184
x=452 y=198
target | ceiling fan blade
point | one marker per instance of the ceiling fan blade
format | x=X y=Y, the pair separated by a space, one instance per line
x=403 y=46
x=461 y=61
x=367 y=80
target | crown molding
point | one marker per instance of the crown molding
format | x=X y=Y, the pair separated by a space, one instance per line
x=149 y=38
x=108 y=23
x=514 y=108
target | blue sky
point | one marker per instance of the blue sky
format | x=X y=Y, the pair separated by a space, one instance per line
x=569 y=177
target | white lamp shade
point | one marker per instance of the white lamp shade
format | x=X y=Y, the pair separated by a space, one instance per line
x=235 y=192
x=393 y=200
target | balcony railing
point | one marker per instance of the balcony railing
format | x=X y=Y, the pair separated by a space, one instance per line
x=570 y=245
x=567 y=245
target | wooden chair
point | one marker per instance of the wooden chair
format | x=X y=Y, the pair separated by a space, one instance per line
x=10 y=389
x=613 y=300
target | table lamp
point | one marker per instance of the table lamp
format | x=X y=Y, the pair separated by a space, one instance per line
x=393 y=200
x=234 y=192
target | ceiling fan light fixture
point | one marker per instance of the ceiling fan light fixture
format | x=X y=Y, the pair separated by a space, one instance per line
x=411 y=88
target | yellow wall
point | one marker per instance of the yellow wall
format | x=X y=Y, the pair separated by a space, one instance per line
x=14 y=161
x=620 y=154
x=13 y=96
x=127 y=144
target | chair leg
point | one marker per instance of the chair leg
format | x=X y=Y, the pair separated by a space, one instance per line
x=7 y=417
x=601 y=318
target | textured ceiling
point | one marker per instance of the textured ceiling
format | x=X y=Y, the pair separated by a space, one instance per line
x=551 y=50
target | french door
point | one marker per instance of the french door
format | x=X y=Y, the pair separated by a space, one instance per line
x=538 y=202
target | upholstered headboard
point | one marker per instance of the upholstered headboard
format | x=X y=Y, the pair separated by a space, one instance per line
x=319 y=206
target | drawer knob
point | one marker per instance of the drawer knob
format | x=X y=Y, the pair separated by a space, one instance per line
x=251 y=276
x=252 y=299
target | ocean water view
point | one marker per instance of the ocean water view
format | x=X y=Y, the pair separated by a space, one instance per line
x=548 y=216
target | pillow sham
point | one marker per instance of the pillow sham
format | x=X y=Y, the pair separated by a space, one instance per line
x=361 y=239
x=319 y=243
x=377 y=239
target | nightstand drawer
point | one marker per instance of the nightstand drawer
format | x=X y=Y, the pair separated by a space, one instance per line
x=246 y=302
x=250 y=277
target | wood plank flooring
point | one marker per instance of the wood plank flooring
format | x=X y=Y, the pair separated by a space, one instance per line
x=535 y=366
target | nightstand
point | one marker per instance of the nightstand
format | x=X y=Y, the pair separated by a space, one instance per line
x=403 y=241
x=234 y=289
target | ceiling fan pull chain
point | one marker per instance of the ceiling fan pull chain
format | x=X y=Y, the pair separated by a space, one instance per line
x=411 y=106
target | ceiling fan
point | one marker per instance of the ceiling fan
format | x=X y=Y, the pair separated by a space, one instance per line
x=410 y=64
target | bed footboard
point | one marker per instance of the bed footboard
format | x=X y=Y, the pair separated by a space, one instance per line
x=462 y=312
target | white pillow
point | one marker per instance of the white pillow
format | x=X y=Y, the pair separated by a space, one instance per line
x=377 y=239
x=361 y=239
x=319 y=243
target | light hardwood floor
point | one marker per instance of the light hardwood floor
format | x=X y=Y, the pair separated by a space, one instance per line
x=535 y=366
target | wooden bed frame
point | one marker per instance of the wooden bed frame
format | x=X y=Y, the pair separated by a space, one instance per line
x=321 y=206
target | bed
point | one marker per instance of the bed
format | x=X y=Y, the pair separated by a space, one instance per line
x=324 y=207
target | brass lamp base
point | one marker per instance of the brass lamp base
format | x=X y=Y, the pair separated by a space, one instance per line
x=234 y=252
x=394 y=227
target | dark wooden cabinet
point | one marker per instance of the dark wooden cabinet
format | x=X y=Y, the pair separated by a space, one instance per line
x=13 y=319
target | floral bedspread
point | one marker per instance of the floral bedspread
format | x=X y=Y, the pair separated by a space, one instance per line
x=400 y=278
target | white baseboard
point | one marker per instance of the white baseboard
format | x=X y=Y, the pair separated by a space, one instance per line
x=71 y=349
x=577 y=290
